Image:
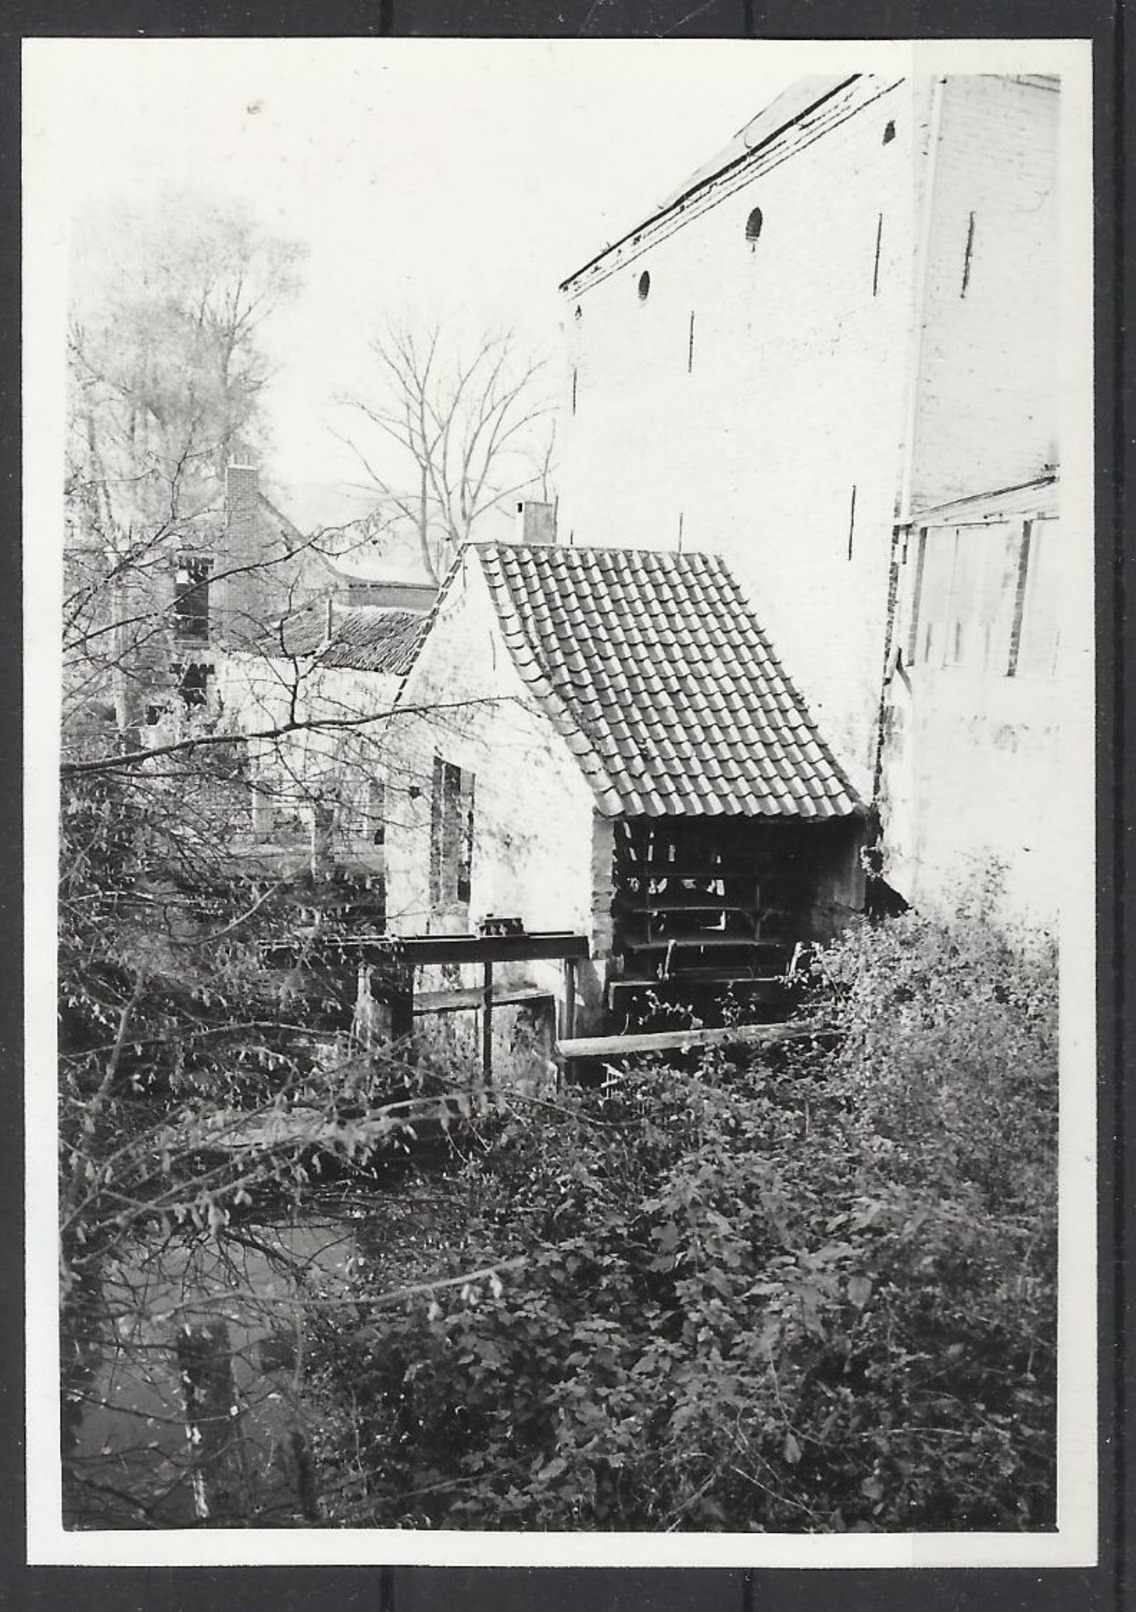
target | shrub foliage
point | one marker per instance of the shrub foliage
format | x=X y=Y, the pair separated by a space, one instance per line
x=810 y=1294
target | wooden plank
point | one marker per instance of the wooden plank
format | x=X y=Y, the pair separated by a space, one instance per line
x=714 y=939
x=721 y=905
x=474 y=996
x=526 y=947
x=694 y=976
x=624 y=1046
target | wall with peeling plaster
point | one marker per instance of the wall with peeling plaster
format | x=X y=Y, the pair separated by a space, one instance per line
x=535 y=824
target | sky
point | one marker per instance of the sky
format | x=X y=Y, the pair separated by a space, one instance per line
x=454 y=179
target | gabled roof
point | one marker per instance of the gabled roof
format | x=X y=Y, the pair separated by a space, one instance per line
x=655 y=671
x=362 y=638
x=792 y=121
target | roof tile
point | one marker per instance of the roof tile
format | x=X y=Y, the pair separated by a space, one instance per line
x=675 y=701
x=363 y=638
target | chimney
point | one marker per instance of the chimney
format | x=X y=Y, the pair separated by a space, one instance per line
x=241 y=608
x=536 y=522
x=241 y=491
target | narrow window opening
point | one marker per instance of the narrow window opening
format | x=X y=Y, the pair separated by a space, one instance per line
x=876 y=264
x=451 y=834
x=681 y=518
x=191 y=599
x=644 y=286
x=889 y=131
x=753 y=225
x=690 y=345
x=967 y=255
x=374 y=826
x=575 y=382
x=851 y=519
x=579 y=311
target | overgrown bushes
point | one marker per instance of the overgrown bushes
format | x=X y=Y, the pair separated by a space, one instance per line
x=811 y=1295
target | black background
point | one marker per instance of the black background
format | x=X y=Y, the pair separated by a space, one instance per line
x=407 y=1589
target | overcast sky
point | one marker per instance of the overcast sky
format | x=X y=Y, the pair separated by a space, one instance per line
x=425 y=177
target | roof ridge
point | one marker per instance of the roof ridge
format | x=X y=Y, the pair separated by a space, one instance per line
x=594 y=548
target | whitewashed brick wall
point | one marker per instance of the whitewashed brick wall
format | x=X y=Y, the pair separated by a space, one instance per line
x=798 y=387
x=533 y=810
x=987 y=415
x=794 y=396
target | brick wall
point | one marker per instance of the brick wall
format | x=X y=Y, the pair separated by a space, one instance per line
x=263 y=566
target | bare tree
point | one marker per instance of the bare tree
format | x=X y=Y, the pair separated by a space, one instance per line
x=447 y=434
x=167 y=372
x=166 y=363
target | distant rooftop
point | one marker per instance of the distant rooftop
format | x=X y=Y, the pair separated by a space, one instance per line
x=360 y=638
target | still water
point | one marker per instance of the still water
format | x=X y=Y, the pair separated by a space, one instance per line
x=188 y=1403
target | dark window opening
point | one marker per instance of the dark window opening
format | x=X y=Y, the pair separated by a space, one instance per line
x=579 y=311
x=575 y=388
x=191 y=599
x=753 y=224
x=193 y=682
x=376 y=821
x=889 y=131
x=690 y=345
x=451 y=835
x=644 y=286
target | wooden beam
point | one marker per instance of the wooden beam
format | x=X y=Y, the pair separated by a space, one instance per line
x=625 y=1046
x=458 y=1001
x=524 y=947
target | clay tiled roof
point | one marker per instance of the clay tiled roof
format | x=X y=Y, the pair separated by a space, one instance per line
x=362 y=638
x=654 y=669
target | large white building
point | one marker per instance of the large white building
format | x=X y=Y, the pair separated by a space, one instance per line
x=830 y=357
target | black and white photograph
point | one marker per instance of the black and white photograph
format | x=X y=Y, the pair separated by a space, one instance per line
x=559 y=598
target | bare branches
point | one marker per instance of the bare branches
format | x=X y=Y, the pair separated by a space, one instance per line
x=205 y=741
x=460 y=432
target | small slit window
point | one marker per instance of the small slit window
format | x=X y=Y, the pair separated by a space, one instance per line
x=644 y=285
x=889 y=131
x=753 y=224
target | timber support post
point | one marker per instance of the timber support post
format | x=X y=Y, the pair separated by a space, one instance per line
x=487 y=1024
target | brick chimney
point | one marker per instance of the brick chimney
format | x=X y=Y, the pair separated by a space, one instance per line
x=536 y=522
x=239 y=596
x=242 y=487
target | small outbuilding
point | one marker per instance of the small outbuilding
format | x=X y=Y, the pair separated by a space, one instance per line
x=603 y=741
